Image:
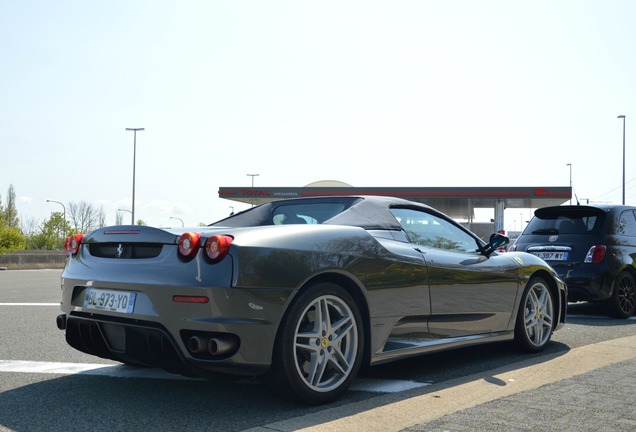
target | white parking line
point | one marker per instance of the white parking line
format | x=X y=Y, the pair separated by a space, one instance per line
x=29 y=304
x=123 y=371
x=385 y=386
x=116 y=371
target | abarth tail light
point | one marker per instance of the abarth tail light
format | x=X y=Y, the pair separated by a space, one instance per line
x=217 y=247
x=596 y=254
x=189 y=244
x=72 y=244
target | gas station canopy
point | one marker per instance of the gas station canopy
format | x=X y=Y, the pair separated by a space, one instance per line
x=456 y=202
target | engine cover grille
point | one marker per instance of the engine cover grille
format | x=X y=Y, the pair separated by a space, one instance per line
x=125 y=250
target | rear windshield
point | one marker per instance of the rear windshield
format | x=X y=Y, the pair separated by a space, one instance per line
x=560 y=221
x=289 y=212
x=305 y=213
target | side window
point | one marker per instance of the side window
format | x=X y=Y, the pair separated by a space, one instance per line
x=627 y=224
x=429 y=230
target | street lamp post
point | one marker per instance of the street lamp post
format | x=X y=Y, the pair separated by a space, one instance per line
x=64 y=207
x=124 y=210
x=623 y=117
x=252 y=175
x=134 y=162
x=570 y=165
x=172 y=217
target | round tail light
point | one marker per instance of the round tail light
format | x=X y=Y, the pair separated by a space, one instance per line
x=189 y=244
x=72 y=244
x=217 y=247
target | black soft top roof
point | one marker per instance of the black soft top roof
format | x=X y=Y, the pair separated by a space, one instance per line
x=368 y=212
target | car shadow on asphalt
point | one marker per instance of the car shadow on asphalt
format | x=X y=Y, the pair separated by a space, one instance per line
x=595 y=314
x=103 y=403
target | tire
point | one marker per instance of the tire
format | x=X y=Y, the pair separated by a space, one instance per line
x=622 y=304
x=316 y=358
x=536 y=317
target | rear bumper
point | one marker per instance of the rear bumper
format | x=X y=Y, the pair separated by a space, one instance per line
x=583 y=284
x=233 y=332
x=150 y=344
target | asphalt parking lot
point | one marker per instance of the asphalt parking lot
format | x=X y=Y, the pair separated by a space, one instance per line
x=583 y=382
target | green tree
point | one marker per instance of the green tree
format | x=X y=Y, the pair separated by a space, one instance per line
x=51 y=235
x=11 y=239
x=10 y=211
x=2 y=222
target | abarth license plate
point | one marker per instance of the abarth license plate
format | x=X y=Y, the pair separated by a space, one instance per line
x=110 y=300
x=551 y=256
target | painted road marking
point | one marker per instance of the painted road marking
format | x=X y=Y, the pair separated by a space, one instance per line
x=115 y=371
x=125 y=371
x=385 y=386
x=30 y=304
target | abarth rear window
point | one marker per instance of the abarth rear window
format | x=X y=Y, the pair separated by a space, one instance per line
x=569 y=221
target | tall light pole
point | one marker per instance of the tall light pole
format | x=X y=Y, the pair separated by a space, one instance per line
x=179 y=219
x=64 y=207
x=134 y=161
x=623 y=117
x=120 y=210
x=570 y=165
x=252 y=175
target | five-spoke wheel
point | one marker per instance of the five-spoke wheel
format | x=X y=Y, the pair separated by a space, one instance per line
x=319 y=348
x=535 y=321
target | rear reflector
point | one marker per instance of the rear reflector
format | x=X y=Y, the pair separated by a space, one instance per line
x=190 y=299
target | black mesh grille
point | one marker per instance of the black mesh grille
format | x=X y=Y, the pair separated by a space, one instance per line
x=127 y=343
x=125 y=250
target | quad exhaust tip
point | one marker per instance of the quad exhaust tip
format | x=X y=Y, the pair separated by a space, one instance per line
x=216 y=346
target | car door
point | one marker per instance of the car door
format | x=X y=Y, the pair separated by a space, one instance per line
x=469 y=292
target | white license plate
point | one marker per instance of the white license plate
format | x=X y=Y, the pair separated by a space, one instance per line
x=551 y=256
x=109 y=300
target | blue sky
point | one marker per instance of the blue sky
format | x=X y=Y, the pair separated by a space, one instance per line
x=371 y=93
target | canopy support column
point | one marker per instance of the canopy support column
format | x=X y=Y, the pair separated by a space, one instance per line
x=499 y=216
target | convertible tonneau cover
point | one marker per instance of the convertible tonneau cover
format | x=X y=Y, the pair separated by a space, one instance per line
x=368 y=212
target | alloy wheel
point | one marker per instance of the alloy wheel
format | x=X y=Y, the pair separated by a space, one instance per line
x=325 y=343
x=538 y=314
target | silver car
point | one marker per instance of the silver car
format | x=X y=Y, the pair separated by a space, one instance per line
x=302 y=292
